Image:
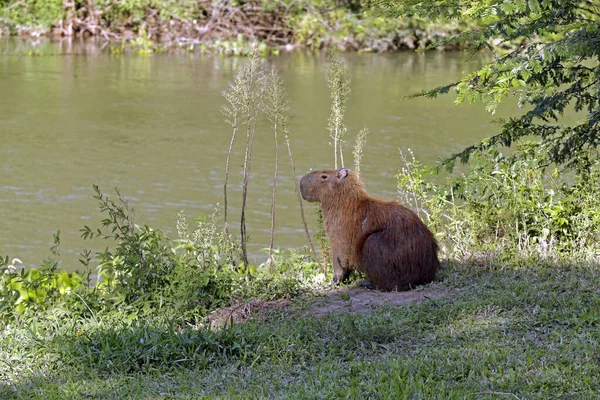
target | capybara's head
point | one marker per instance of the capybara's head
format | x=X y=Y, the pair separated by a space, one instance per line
x=321 y=185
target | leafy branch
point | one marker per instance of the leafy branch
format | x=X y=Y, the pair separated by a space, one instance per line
x=553 y=67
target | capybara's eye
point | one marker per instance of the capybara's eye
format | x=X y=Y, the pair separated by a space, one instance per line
x=323 y=176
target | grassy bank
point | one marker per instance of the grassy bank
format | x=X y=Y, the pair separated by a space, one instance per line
x=528 y=332
x=228 y=27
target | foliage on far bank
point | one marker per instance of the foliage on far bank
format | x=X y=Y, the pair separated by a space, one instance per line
x=227 y=27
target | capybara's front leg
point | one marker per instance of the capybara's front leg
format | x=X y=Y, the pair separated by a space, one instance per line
x=340 y=269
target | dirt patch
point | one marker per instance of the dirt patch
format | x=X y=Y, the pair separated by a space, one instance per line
x=350 y=300
x=241 y=312
x=359 y=300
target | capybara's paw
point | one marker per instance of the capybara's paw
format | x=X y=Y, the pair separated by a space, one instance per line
x=366 y=284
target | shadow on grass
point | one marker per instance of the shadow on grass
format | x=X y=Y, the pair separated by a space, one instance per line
x=530 y=330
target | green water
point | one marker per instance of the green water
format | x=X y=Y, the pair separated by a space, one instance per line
x=72 y=115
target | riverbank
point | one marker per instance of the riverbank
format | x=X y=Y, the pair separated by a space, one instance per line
x=227 y=27
x=512 y=313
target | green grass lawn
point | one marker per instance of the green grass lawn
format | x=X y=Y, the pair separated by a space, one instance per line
x=530 y=332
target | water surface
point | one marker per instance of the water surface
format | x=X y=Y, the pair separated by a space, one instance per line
x=72 y=115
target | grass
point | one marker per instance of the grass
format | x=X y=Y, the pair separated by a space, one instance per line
x=503 y=333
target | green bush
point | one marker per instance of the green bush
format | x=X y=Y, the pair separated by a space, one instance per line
x=35 y=289
x=509 y=207
x=142 y=261
x=146 y=274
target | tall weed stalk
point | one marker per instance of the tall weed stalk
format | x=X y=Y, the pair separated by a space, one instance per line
x=359 y=145
x=256 y=78
x=276 y=109
x=238 y=95
x=245 y=97
x=338 y=80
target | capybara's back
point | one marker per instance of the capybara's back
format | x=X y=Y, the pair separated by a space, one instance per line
x=383 y=239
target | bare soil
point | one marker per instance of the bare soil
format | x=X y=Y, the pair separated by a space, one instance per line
x=347 y=300
x=241 y=312
x=360 y=300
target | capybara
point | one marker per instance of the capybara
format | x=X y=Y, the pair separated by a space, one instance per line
x=382 y=239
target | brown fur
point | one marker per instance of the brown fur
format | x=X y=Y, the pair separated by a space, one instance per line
x=383 y=239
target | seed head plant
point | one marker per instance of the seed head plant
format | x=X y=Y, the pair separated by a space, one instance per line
x=245 y=97
x=276 y=109
x=338 y=80
x=359 y=145
x=258 y=89
x=236 y=112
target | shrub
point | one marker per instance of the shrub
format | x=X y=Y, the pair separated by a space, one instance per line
x=35 y=289
x=509 y=207
x=146 y=274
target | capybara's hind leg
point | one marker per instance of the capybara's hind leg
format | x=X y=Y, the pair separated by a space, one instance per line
x=379 y=264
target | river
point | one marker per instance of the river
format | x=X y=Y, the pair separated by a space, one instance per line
x=73 y=115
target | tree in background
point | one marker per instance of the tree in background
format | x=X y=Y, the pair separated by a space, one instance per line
x=552 y=66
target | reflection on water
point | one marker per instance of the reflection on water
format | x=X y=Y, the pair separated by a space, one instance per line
x=151 y=125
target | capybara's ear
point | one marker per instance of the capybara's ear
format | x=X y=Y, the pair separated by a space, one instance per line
x=342 y=173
